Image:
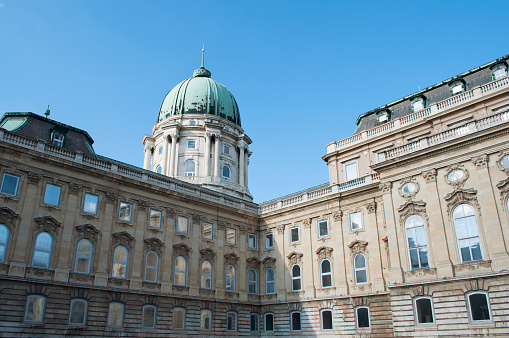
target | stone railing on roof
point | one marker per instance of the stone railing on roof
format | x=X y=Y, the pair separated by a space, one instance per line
x=126 y=171
x=447 y=135
x=435 y=108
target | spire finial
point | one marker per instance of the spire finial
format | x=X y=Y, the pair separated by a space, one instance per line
x=47 y=112
x=202 y=72
x=203 y=57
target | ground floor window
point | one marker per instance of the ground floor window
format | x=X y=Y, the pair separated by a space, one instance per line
x=362 y=317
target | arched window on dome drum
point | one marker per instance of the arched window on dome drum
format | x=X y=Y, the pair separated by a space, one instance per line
x=226 y=173
x=417 y=244
x=4 y=240
x=467 y=233
x=190 y=168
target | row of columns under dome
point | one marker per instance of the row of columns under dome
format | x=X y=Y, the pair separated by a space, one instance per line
x=171 y=146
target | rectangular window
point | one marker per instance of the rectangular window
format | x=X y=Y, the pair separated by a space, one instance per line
x=479 y=307
x=424 y=311
x=125 y=211
x=252 y=240
x=148 y=320
x=155 y=218
x=294 y=234
x=52 y=194
x=254 y=322
x=207 y=230
x=362 y=317
x=78 y=313
x=295 y=324
x=90 y=204
x=351 y=171
x=206 y=320
x=116 y=314
x=58 y=140
x=269 y=240
x=457 y=89
x=10 y=184
x=226 y=149
x=231 y=324
x=191 y=144
x=34 y=311
x=182 y=225
x=356 y=220
x=179 y=316
x=269 y=322
x=326 y=320
x=160 y=150
x=323 y=228
x=230 y=235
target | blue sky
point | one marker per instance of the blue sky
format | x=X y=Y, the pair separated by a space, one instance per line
x=300 y=71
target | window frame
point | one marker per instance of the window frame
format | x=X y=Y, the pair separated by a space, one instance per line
x=122 y=205
x=179 y=225
x=211 y=231
x=175 y=271
x=271 y=236
x=291 y=321
x=357 y=308
x=455 y=84
x=225 y=151
x=257 y=324
x=232 y=287
x=253 y=283
x=223 y=176
x=187 y=172
x=191 y=144
x=85 y=201
x=147 y=266
x=323 y=274
x=416 y=247
x=34 y=250
x=365 y=269
x=159 y=169
x=348 y=164
x=249 y=236
x=298 y=278
x=202 y=274
x=267 y=281
x=121 y=317
x=416 y=312
x=233 y=316
x=322 y=326
x=469 y=237
x=320 y=235
x=202 y=322
x=43 y=312
x=114 y=261
x=183 y=309
x=361 y=226
x=89 y=257
x=292 y=229
x=160 y=150
x=155 y=211
x=16 y=190
x=497 y=67
x=46 y=192
x=265 y=321
x=57 y=142
x=74 y=300
x=469 y=307
x=228 y=230
x=154 y=321
x=6 y=245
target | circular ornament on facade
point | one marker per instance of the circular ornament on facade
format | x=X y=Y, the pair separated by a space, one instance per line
x=456 y=175
x=408 y=188
x=505 y=161
x=192 y=122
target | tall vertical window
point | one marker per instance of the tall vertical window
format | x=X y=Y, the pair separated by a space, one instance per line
x=190 y=168
x=356 y=220
x=4 y=240
x=151 y=266
x=351 y=171
x=295 y=324
x=10 y=184
x=467 y=233
x=34 y=309
x=254 y=322
x=159 y=169
x=52 y=194
x=360 y=269
x=269 y=240
x=182 y=224
x=78 y=313
x=43 y=247
x=270 y=286
x=323 y=228
x=417 y=244
x=120 y=257
x=226 y=149
x=269 y=322
x=231 y=321
x=148 y=320
x=252 y=281
x=180 y=271
x=362 y=317
x=479 y=306
x=226 y=173
x=208 y=230
x=206 y=275
x=83 y=259
x=125 y=211
x=155 y=218
x=160 y=150
x=90 y=204
x=230 y=235
x=58 y=140
x=296 y=278
x=230 y=278
x=294 y=234
x=206 y=320
x=179 y=318
x=326 y=316
x=252 y=241
x=116 y=314
x=423 y=310
x=326 y=273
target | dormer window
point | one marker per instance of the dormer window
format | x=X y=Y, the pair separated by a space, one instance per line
x=383 y=116
x=499 y=71
x=418 y=104
x=58 y=140
x=457 y=87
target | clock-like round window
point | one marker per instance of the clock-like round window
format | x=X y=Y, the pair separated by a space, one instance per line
x=408 y=188
x=505 y=161
x=456 y=175
x=192 y=122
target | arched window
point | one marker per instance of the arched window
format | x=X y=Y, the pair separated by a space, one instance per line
x=269 y=322
x=467 y=233
x=78 y=313
x=83 y=258
x=270 y=285
x=326 y=272
x=296 y=278
x=148 y=319
x=423 y=310
x=252 y=281
x=417 y=244
x=116 y=314
x=43 y=246
x=159 y=169
x=230 y=278
x=226 y=173
x=362 y=317
x=479 y=306
x=326 y=319
x=4 y=240
x=34 y=309
x=231 y=321
x=180 y=271
x=360 y=269
x=119 y=262
x=190 y=168
x=151 y=266
x=206 y=275
x=206 y=319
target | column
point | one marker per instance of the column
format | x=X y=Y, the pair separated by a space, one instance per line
x=146 y=160
x=207 y=155
x=165 y=156
x=172 y=155
x=176 y=159
x=245 y=167
x=216 y=156
x=242 y=162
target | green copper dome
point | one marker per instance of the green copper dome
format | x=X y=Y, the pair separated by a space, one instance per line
x=200 y=95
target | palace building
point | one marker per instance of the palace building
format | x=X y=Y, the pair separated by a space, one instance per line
x=408 y=238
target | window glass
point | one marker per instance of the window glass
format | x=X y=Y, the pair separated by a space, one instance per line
x=456 y=88
x=255 y=319
x=34 y=311
x=408 y=188
x=269 y=240
x=296 y=278
x=192 y=122
x=230 y=235
x=467 y=233
x=294 y=235
x=90 y=204
x=119 y=262
x=295 y=317
x=505 y=161
x=206 y=275
x=4 y=240
x=155 y=218
x=116 y=314
x=78 y=313
x=362 y=317
x=207 y=230
x=160 y=150
x=356 y=220
x=231 y=321
x=83 y=256
x=351 y=171
x=183 y=223
x=230 y=278
x=326 y=271
x=206 y=320
x=159 y=169
x=456 y=175
x=180 y=270
x=58 y=140
x=226 y=149
x=361 y=272
x=326 y=320
x=52 y=194
x=191 y=144
x=251 y=241
x=125 y=211
x=417 y=244
x=179 y=316
x=269 y=322
x=269 y=281
x=226 y=173
x=190 y=168
x=418 y=105
x=424 y=311
x=499 y=72
x=149 y=316
x=43 y=247
x=151 y=266
x=10 y=184
x=479 y=307
x=252 y=281
x=323 y=228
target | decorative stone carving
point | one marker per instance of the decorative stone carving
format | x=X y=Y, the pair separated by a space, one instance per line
x=460 y=196
x=269 y=262
x=430 y=175
x=473 y=266
x=385 y=187
x=170 y=212
x=428 y=273
x=243 y=229
x=408 y=188
x=111 y=196
x=253 y=262
x=459 y=182
x=47 y=223
x=338 y=215
x=480 y=161
x=207 y=292
x=221 y=225
x=143 y=205
x=295 y=257
x=357 y=246
x=503 y=158
x=324 y=252
x=207 y=254
x=412 y=208
x=33 y=177
x=7 y=216
x=280 y=229
x=371 y=207
x=503 y=186
x=87 y=231
x=123 y=238
x=154 y=244
x=180 y=288
x=181 y=249
x=231 y=258
x=306 y=223
x=196 y=218
x=74 y=188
